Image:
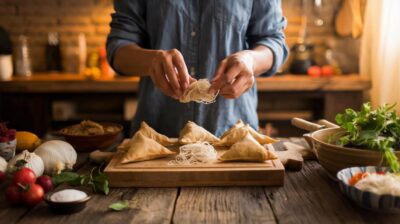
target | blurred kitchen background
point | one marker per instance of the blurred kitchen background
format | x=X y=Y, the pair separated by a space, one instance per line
x=60 y=75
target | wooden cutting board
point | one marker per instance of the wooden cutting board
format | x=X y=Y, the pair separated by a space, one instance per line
x=157 y=173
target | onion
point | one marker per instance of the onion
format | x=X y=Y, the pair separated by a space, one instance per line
x=56 y=155
x=33 y=162
x=3 y=164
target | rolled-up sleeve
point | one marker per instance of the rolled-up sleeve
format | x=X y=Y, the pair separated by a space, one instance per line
x=128 y=26
x=266 y=27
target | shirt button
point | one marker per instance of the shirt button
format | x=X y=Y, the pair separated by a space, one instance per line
x=193 y=34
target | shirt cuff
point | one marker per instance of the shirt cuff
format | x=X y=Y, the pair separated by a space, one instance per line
x=112 y=46
x=279 y=51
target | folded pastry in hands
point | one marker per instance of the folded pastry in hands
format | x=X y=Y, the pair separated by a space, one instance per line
x=193 y=133
x=142 y=148
x=238 y=131
x=247 y=149
x=199 y=92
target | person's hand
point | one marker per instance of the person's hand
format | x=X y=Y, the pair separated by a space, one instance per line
x=169 y=73
x=234 y=75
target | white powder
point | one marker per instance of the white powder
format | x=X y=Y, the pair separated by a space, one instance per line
x=68 y=195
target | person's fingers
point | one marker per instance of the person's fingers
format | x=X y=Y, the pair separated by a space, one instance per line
x=172 y=78
x=160 y=80
x=180 y=65
x=218 y=81
x=237 y=88
x=191 y=79
x=220 y=70
x=223 y=82
x=232 y=72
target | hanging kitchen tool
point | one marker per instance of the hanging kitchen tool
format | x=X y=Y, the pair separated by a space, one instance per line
x=349 y=20
x=317 y=8
x=301 y=51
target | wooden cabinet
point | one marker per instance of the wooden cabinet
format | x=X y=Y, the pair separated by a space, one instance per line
x=47 y=102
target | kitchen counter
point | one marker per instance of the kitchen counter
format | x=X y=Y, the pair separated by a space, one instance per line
x=71 y=83
x=308 y=196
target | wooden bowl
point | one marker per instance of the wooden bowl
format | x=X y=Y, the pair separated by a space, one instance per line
x=66 y=207
x=335 y=158
x=87 y=143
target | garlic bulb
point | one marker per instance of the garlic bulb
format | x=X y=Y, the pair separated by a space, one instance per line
x=56 y=155
x=3 y=165
x=33 y=162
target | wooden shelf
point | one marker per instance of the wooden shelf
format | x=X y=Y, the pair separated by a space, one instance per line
x=284 y=115
x=72 y=83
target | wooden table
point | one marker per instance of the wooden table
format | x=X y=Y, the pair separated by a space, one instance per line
x=308 y=196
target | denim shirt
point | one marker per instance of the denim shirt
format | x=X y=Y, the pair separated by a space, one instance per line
x=205 y=32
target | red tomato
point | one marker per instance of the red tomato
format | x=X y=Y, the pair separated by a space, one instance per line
x=24 y=176
x=3 y=177
x=13 y=194
x=32 y=195
x=46 y=182
x=326 y=71
x=314 y=71
x=357 y=177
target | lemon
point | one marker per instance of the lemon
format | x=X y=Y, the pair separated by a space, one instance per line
x=27 y=140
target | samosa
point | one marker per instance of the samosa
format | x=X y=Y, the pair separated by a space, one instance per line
x=149 y=132
x=247 y=149
x=193 y=133
x=143 y=148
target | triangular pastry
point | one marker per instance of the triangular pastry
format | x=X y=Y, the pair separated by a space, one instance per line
x=193 y=133
x=235 y=134
x=149 y=132
x=143 y=148
x=262 y=139
x=238 y=124
x=247 y=149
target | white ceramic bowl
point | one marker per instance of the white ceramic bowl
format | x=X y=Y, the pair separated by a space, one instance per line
x=367 y=199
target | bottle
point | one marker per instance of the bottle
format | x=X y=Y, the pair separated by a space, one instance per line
x=6 y=65
x=22 y=58
x=53 y=53
x=82 y=49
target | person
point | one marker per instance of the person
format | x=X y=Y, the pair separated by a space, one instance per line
x=171 y=43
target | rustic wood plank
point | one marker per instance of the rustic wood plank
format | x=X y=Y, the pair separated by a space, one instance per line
x=300 y=141
x=157 y=173
x=310 y=196
x=148 y=205
x=223 y=205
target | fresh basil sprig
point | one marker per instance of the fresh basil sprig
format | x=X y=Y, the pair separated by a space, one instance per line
x=377 y=130
x=96 y=179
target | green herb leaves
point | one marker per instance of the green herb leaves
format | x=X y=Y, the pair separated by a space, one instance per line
x=119 y=206
x=95 y=179
x=372 y=129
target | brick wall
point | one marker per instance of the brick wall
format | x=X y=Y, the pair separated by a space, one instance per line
x=35 y=18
